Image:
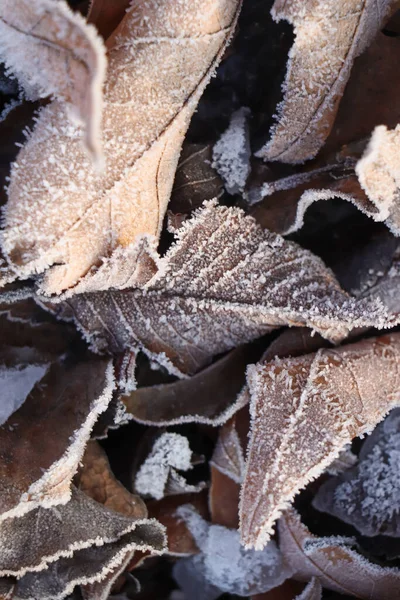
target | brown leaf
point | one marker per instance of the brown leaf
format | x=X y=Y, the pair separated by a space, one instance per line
x=312 y=591
x=209 y=397
x=328 y=39
x=224 y=499
x=335 y=562
x=64 y=223
x=53 y=52
x=224 y=282
x=228 y=452
x=287 y=591
x=304 y=410
x=43 y=442
x=101 y=590
x=106 y=15
x=98 y=482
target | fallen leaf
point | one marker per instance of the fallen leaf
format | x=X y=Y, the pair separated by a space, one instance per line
x=228 y=453
x=224 y=499
x=287 y=591
x=209 y=397
x=42 y=444
x=224 y=564
x=101 y=590
x=159 y=475
x=328 y=38
x=96 y=479
x=54 y=52
x=63 y=218
x=224 y=282
x=310 y=407
x=335 y=561
x=106 y=15
x=312 y=591
x=344 y=461
x=367 y=495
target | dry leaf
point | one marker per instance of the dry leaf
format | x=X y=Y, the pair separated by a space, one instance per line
x=328 y=39
x=335 y=561
x=106 y=15
x=101 y=590
x=43 y=442
x=228 y=453
x=224 y=282
x=158 y=476
x=304 y=410
x=224 y=500
x=367 y=495
x=224 y=565
x=312 y=591
x=62 y=217
x=54 y=52
x=209 y=397
x=344 y=461
x=98 y=481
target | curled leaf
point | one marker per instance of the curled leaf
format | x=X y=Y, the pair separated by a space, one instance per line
x=64 y=219
x=329 y=36
x=312 y=591
x=311 y=407
x=54 y=52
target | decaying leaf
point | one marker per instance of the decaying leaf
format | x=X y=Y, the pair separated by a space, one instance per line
x=231 y=154
x=224 y=282
x=210 y=397
x=304 y=410
x=329 y=36
x=158 y=476
x=335 y=562
x=42 y=443
x=312 y=591
x=98 y=481
x=224 y=565
x=367 y=495
x=379 y=175
x=68 y=221
x=54 y=52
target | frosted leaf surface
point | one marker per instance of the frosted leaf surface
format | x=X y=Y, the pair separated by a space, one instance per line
x=63 y=218
x=335 y=561
x=310 y=407
x=15 y=385
x=60 y=412
x=224 y=564
x=224 y=282
x=312 y=591
x=159 y=475
x=228 y=454
x=344 y=461
x=367 y=496
x=328 y=37
x=379 y=174
x=231 y=153
x=54 y=52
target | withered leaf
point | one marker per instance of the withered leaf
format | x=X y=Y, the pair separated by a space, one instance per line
x=43 y=442
x=367 y=495
x=329 y=36
x=106 y=15
x=224 y=564
x=310 y=407
x=98 y=481
x=379 y=175
x=312 y=591
x=209 y=397
x=335 y=562
x=63 y=218
x=228 y=453
x=101 y=590
x=159 y=475
x=224 y=282
x=54 y=52
x=224 y=499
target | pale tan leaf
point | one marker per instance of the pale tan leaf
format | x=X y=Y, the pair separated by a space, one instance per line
x=224 y=282
x=304 y=410
x=329 y=36
x=98 y=481
x=54 y=52
x=335 y=562
x=379 y=175
x=62 y=217
x=312 y=591
x=42 y=443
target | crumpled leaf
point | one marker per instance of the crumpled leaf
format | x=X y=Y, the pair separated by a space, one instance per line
x=210 y=397
x=54 y=52
x=66 y=221
x=101 y=590
x=367 y=495
x=224 y=565
x=158 y=476
x=224 y=282
x=379 y=175
x=329 y=36
x=231 y=153
x=43 y=442
x=312 y=591
x=98 y=482
x=310 y=407
x=335 y=561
